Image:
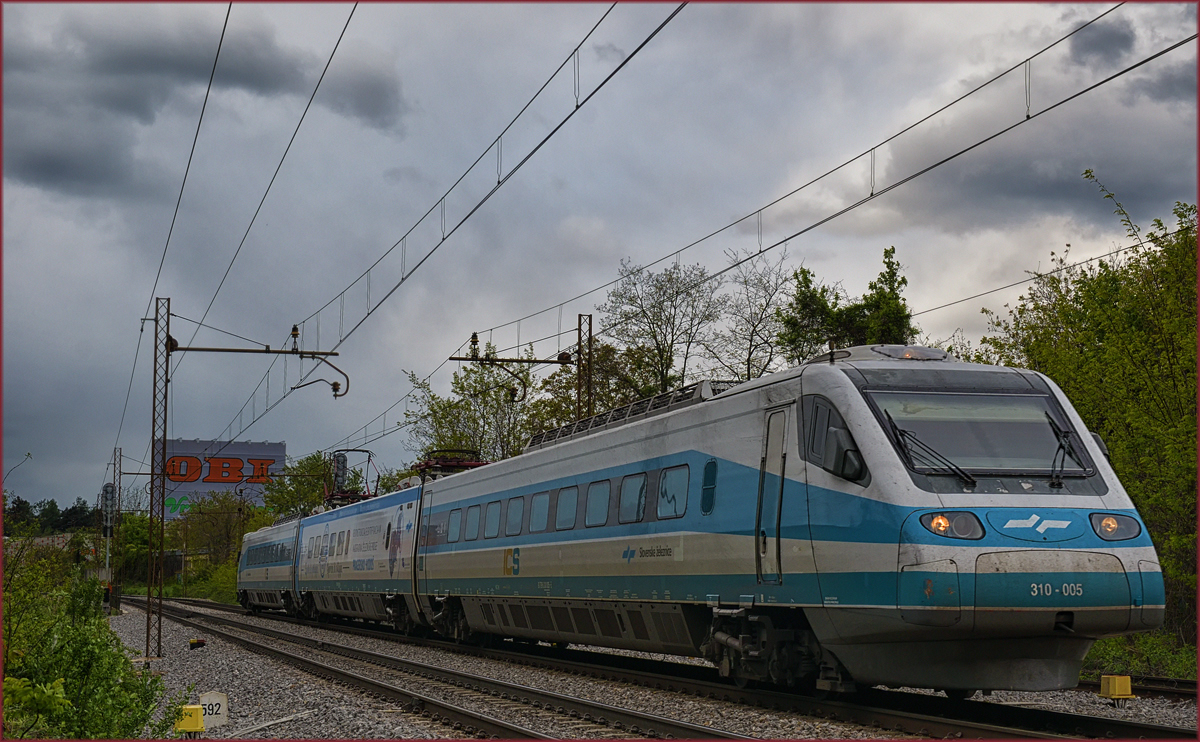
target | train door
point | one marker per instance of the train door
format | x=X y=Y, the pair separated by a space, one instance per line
x=770 y=497
x=297 y=552
x=420 y=574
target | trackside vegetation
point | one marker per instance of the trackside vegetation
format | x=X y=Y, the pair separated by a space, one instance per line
x=66 y=674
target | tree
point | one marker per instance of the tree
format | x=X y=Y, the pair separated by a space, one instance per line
x=214 y=521
x=300 y=488
x=817 y=314
x=78 y=517
x=488 y=410
x=131 y=559
x=747 y=346
x=1119 y=337
x=619 y=377
x=887 y=316
x=47 y=513
x=18 y=515
x=668 y=313
x=807 y=320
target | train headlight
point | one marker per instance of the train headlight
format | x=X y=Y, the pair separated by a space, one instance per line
x=953 y=525
x=1113 y=527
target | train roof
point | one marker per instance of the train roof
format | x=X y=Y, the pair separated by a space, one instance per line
x=883 y=356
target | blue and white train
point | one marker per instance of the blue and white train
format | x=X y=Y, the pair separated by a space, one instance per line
x=879 y=515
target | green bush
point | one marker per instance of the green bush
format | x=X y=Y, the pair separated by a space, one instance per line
x=66 y=674
x=1155 y=654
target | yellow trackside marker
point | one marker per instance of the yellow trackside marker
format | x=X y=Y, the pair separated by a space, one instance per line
x=191 y=721
x=1117 y=688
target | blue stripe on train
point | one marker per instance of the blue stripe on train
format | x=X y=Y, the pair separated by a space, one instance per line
x=872 y=589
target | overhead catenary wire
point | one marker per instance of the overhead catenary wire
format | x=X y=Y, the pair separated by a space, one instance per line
x=217 y=329
x=261 y=202
x=874 y=195
x=1038 y=274
x=440 y=202
x=870 y=151
x=449 y=232
x=491 y=192
x=949 y=158
x=275 y=175
x=171 y=230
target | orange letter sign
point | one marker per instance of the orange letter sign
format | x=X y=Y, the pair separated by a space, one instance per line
x=224 y=470
x=184 y=469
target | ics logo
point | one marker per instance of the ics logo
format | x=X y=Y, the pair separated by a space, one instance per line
x=512 y=561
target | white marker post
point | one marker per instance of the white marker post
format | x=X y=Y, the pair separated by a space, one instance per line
x=216 y=709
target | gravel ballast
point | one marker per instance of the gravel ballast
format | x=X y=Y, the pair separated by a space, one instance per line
x=267 y=699
x=263 y=691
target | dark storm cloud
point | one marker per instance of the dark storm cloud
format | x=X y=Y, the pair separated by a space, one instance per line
x=1174 y=84
x=608 y=53
x=58 y=155
x=1103 y=43
x=74 y=101
x=364 y=86
x=253 y=60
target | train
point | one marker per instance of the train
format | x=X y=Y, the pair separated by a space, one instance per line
x=879 y=515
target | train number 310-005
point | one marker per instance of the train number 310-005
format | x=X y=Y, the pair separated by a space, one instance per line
x=1045 y=589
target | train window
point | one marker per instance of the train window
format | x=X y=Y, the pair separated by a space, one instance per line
x=596 y=512
x=568 y=498
x=340 y=540
x=491 y=520
x=347 y=551
x=472 y=523
x=632 y=505
x=673 y=492
x=325 y=545
x=539 y=512
x=512 y=522
x=455 y=527
x=828 y=443
x=708 y=489
x=308 y=554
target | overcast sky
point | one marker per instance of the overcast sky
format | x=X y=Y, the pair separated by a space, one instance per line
x=728 y=108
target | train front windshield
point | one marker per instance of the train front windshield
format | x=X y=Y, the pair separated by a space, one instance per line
x=1000 y=434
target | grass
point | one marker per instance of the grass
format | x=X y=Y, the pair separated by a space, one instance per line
x=1154 y=654
x=215 y=583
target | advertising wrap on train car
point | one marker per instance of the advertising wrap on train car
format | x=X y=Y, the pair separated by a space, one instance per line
x=196 y=467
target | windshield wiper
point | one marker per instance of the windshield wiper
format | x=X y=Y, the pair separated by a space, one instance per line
x=930 y=459
x=1066 y=449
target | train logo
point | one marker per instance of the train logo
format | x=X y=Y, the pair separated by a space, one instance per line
x=1031 y=520
x=512 y=562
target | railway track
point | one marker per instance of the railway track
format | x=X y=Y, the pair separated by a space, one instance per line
x=567 y=716
x=913 y=713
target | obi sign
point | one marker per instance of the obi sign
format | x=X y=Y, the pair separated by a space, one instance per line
x=197 y=467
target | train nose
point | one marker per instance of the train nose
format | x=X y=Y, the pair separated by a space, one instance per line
x=1047 y=591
